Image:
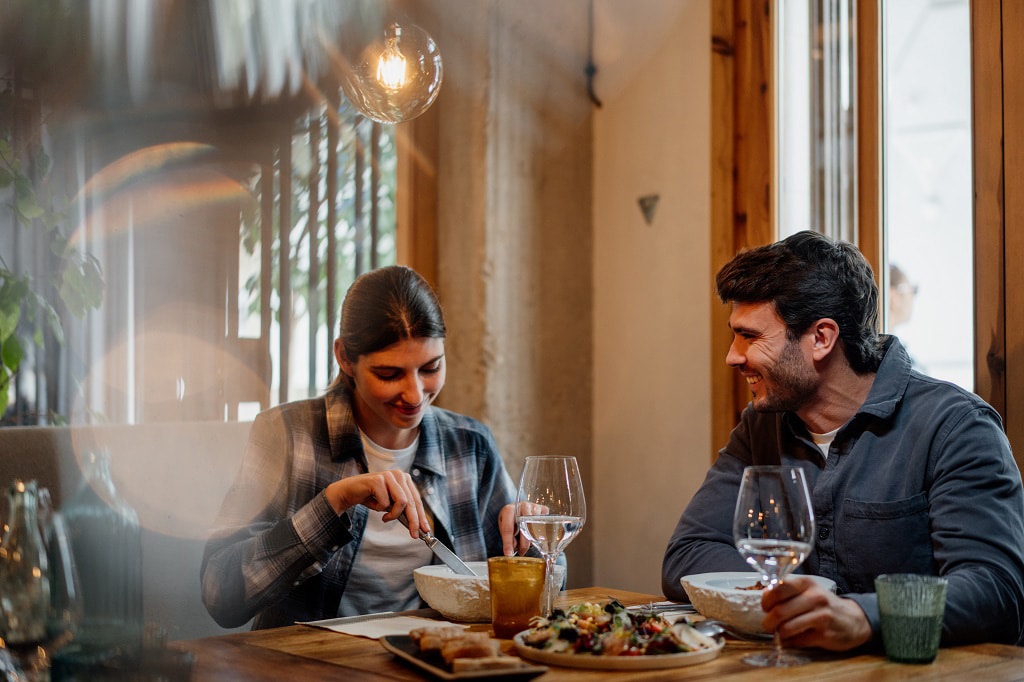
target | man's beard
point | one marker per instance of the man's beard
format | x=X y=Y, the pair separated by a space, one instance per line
x=790 y=383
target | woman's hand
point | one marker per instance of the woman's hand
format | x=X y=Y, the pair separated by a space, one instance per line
x=807 y=615
x=392 y=492
x=509 y=531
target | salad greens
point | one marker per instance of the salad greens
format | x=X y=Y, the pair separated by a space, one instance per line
x=608 y=629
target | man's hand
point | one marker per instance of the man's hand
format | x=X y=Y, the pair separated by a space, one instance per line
x=806 y=615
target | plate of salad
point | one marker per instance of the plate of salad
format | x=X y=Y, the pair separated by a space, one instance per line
x=605 y=636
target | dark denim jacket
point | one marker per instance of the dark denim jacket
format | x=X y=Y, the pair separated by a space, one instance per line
x=920 y=480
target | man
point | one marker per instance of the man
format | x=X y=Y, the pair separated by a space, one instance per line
x=908 y=474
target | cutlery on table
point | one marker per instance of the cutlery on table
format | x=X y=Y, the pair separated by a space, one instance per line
x=450 y=558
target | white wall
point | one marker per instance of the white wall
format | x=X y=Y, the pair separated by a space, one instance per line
x=652 y=283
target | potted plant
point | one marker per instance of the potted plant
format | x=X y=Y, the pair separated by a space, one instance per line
x=62 y=279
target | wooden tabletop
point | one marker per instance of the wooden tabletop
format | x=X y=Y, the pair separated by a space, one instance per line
x=301 y=652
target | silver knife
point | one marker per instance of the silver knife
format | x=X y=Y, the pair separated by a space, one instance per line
x=450 y=558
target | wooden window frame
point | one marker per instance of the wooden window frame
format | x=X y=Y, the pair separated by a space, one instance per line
x=416 y=194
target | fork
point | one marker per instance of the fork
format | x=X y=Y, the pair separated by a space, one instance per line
x=714 y=628
x=669 y=607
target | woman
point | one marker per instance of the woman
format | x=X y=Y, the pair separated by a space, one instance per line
x=307 y=531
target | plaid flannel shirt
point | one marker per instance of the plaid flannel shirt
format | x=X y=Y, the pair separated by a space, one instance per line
x=280 y=554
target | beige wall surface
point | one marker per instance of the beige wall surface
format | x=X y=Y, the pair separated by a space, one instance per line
x=515 y=229
x=651 y=282
x=574 y=326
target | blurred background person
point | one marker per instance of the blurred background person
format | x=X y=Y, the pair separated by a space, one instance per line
x=902 y=293
x=901 y=296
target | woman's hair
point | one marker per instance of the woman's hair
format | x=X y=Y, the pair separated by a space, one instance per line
x=383 y=307
x=807 y=277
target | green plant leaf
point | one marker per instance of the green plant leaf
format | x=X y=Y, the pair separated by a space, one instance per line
x=28 y=207
x=22 y=185
x=5 y=178
x=92 y=284
x=42 y=162
x=70 y=292
x=8 y=322
x=5 y=383
x=11 y=353
x=81 y=283
x=53 y=320
x=11 y=295
x=57 y=247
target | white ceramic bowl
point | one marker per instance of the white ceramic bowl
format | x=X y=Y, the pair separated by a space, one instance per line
x=460 y=598
x=717 y=595
x=463 y=598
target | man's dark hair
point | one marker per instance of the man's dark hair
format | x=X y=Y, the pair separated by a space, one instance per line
x=807 y=277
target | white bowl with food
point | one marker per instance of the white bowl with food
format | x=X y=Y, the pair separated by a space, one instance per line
x=460 y=598
x=733 y=598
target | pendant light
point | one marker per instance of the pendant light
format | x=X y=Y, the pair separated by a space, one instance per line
x=395 y=76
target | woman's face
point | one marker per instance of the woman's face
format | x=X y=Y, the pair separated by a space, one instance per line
x=394 y=387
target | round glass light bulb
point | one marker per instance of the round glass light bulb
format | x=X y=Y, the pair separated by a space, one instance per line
x=396 y=77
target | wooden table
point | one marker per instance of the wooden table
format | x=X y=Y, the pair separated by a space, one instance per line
x=301 y=652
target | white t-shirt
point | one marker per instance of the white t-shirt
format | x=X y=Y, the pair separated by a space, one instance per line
x=824 y=440
x=381 y=577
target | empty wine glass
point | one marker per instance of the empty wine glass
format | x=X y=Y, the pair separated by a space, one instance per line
x=65 y=613
x=773 y=529
x=550 y=510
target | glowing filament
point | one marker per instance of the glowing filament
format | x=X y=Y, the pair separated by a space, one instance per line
x=391 y=67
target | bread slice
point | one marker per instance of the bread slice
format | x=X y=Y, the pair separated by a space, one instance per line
x=470 y=645
x=460 y=665
x=433 y=638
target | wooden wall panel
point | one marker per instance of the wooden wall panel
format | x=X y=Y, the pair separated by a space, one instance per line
x=742 y=158
x=754 y=124
x=723 y=244
x=1013 y=160
x=869 y=143
x=987 y=136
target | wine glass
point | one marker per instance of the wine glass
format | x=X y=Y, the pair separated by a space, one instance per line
x=65 y=612
x=773 y=529
x=550 y=510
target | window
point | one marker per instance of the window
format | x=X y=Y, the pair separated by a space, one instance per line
x=928 y=191
x=330 y=242
x=927 y=263
x=816 y=167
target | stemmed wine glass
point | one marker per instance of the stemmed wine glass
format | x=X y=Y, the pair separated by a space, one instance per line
x=550 y=510
x=773 y=529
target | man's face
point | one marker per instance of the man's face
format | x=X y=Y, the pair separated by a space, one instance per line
x=778 y=370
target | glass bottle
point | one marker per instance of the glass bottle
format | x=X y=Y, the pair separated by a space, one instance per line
x=106 y=543
x=24 y=573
